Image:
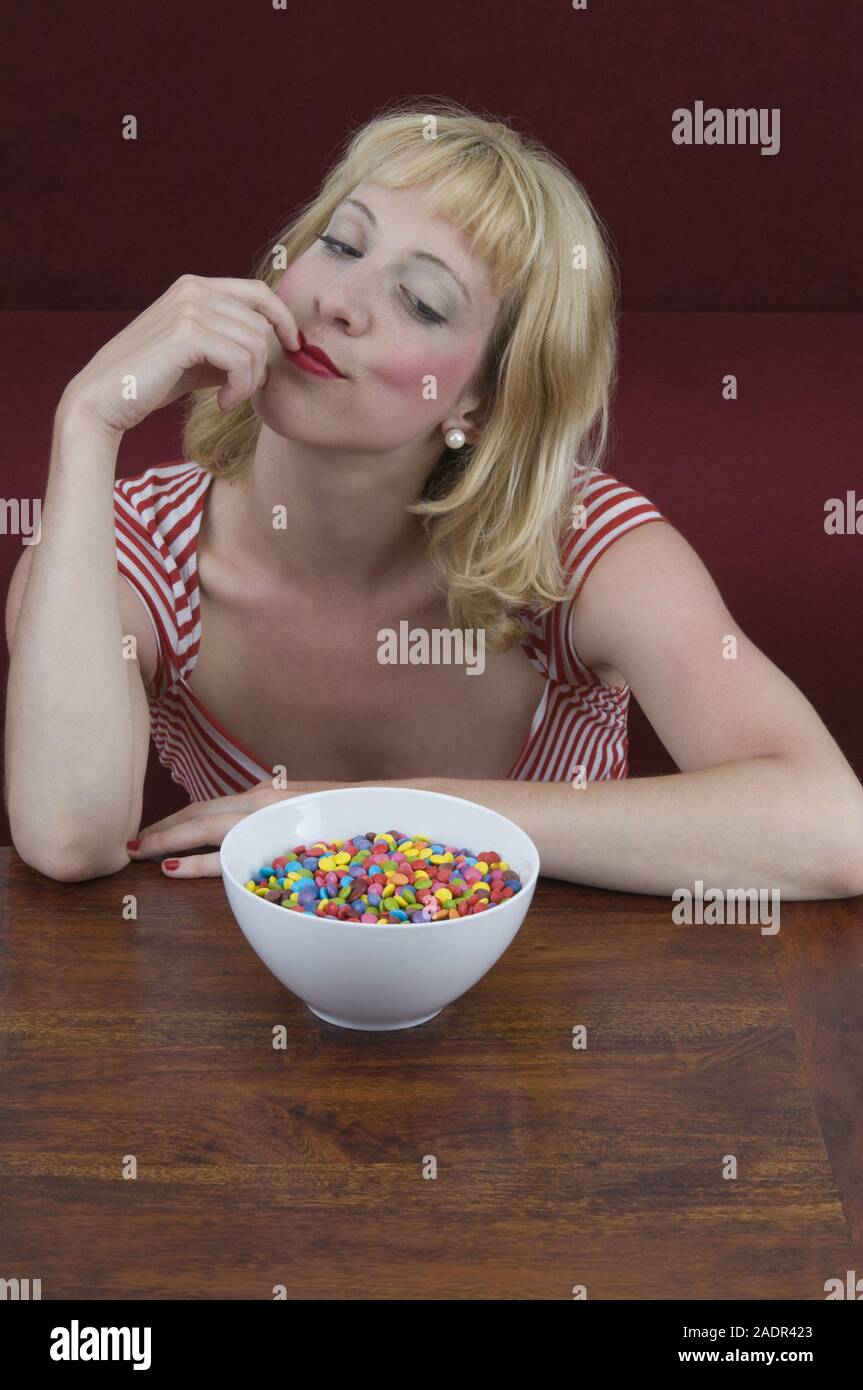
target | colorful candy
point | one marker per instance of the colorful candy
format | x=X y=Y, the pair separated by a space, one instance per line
x=387 y=878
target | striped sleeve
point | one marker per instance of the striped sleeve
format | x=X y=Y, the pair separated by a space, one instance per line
x=610 y=510
x=143 y=561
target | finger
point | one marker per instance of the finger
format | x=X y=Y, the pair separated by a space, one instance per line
x=194 y=866
x=261 y=794
x=209 y=829
x=253 y=333
x=228 y=309
x=259 y=296
x=226 y=355
x=196 y=809
x=187 y=813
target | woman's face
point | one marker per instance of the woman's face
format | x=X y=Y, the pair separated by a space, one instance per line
x=399 y=305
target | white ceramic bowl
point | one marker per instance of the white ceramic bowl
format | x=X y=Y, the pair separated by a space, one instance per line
x=366 y=975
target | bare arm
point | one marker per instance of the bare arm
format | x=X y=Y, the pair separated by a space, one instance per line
x=765 y=798
x=77 y=723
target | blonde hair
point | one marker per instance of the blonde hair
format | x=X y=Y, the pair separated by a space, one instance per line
x=496 y=513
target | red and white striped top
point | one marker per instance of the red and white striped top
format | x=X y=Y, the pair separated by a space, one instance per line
x=579 y=722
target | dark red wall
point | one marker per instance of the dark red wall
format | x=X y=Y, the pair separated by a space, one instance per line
x=240 y=107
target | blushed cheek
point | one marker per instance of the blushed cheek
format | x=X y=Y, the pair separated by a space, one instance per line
x=285 y=286
x=423 y=377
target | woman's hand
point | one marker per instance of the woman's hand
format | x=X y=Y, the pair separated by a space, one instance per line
x=207 y=823
x=201 y=332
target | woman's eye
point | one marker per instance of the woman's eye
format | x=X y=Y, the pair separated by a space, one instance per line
x=331 y=245
x=421 y=311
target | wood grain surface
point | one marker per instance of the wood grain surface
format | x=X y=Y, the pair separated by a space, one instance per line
x=557 y=1167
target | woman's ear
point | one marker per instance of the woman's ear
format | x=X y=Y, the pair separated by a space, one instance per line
x=475 y=420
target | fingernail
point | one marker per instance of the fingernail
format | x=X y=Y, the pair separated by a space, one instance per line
x=133 y=844
x=170 y=864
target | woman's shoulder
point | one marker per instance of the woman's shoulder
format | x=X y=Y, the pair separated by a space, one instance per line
x=606 y=509
x=175 y=484
x=157 y=515
x=159 y=506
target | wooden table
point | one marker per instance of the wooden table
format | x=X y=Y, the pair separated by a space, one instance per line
x=303 y=1167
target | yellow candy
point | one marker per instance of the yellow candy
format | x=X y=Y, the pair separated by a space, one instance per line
x=338 y=843
x=503 y=864
x=252 y=885
x=443 y=894
x=342 y=858
x=389 y=891
x=411 y=853
x=436 y=858
x=406 y=845
x=481 y=866
x=449 y=857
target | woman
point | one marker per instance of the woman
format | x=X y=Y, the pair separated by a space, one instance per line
x=399 y=420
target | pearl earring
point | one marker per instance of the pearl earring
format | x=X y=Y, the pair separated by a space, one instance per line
x=455 y=439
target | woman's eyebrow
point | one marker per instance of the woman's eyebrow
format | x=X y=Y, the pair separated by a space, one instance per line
x=420 y=255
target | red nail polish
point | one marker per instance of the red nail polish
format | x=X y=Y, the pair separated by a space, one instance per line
x=171 y=864
x=133 y=844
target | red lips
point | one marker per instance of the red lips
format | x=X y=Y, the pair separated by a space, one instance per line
x=310 y=350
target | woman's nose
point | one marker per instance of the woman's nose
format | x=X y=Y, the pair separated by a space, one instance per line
x=347 y=301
